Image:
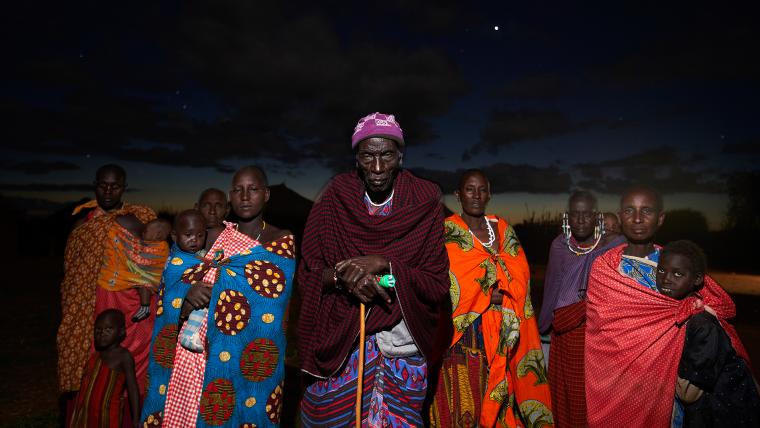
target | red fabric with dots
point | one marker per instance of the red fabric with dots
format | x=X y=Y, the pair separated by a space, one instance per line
x=634 y=341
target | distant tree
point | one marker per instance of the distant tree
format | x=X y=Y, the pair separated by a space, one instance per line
x=536 y=234
x=744 y=201
x=731 y=247
x=684 y=224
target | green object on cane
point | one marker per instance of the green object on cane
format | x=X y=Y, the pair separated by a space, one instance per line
x=387 y=281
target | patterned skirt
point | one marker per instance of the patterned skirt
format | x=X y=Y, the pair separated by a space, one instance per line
x=462 y=382
x=393 y=392
x=566 y=374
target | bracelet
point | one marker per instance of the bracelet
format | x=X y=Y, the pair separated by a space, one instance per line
x=386 y=281
x=335 y=280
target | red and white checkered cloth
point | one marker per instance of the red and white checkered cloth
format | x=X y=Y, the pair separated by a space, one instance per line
x=186 y=383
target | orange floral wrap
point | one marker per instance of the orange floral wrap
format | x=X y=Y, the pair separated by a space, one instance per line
x=83 y=260
x=130 y=262
x=517 y=375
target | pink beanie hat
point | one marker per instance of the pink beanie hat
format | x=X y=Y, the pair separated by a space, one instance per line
x=378 y=125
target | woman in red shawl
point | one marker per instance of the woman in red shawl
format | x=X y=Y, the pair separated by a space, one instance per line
x=377 y=220
x=493 y=373
x=634 y=334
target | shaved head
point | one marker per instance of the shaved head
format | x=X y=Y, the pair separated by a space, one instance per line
x=112 y=314
x=582 y=195
x=212 y=191
x=185 y=215
x=647 y=191
x=252 y=169
x=117 y=170
x=469 y=173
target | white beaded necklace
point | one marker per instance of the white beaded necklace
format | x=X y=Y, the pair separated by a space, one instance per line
x=381 y=203
x=491 y=234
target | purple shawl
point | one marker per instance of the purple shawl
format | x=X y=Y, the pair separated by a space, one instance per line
x=566 y=274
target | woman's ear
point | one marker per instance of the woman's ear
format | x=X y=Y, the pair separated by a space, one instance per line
x=456 y=194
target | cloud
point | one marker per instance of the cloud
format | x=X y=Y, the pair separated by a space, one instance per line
x=39 y=167
x=661 y=168
x=46 y=187
x=54 y=187
x=665 y=155
x=298 y=75
x=31 y=205
x=269 y=84
x=506 y=127
x=697 y=47
x=506 y=178
x=667 y=180
x=749 y=148
x=538 y=87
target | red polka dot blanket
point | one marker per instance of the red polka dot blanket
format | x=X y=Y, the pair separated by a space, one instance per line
x=634 y=340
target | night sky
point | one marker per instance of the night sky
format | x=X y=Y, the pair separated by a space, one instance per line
x=545 y=97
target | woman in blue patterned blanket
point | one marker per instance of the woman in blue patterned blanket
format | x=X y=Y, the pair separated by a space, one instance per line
x=250 y=269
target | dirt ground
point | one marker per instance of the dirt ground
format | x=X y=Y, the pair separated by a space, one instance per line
x=31 y=314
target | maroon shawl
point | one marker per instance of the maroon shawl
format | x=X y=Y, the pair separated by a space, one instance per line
x=411 y=237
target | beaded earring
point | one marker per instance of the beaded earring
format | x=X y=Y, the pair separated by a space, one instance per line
x=565 y=225
x=599 y=228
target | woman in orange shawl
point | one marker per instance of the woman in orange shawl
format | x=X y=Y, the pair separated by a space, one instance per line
x=493 y=372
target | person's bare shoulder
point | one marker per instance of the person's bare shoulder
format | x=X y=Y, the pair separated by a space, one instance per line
x=130 y=222
x=126 y=360
x=273 y=233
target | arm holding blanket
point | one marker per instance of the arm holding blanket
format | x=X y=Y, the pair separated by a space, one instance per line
x=197 y=297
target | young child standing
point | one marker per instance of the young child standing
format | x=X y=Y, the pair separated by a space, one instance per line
x=153 y=233
x=109 y=371
x=714 y=383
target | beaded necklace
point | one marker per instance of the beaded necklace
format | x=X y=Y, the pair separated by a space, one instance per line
x=491 y=234
x=381 y=209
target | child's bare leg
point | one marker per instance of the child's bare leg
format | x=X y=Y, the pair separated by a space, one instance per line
x=144 y=310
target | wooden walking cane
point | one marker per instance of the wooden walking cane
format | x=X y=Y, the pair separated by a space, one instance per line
x=360 y=374
x=386 y=281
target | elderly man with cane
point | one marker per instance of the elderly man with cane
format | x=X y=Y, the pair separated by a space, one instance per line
x=374 y=240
